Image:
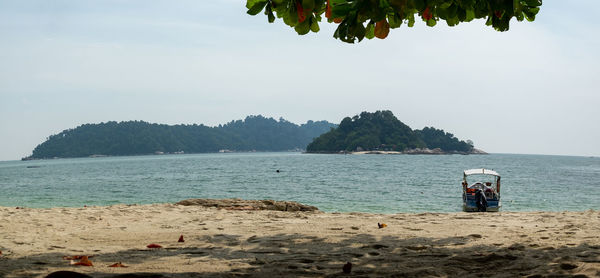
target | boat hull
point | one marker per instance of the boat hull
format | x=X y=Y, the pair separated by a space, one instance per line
x=469 y=204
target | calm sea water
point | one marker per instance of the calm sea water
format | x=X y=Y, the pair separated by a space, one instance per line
x=365 y=183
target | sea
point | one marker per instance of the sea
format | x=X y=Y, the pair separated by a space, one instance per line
x=331 y=182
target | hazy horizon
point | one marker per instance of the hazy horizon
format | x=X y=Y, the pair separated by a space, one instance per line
x=296 y=123
x=530 y=90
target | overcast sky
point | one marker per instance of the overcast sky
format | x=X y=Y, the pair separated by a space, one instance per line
x=530 y=90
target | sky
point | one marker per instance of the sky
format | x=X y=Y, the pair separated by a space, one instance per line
x=64 y=63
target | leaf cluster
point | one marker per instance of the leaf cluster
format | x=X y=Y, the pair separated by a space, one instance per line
x=358 y=19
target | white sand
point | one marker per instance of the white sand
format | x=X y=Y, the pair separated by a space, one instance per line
x=225 y=243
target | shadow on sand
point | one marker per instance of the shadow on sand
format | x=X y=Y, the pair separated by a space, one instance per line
x=296 y=255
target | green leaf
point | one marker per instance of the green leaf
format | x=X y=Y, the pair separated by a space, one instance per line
x=290 y=17
x=431 y=22
x=411 y=20
x=470 y=15
x=394 y=20
x=520 y=16
x=359 y=30
x=271 y=17
x=314 y=25
x=530 y=13
x=303 y=28
x=257 y=7
x=269 y=13
x=370 y=31
x=251 y=3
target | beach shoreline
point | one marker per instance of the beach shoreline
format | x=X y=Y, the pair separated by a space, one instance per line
x=264 y=243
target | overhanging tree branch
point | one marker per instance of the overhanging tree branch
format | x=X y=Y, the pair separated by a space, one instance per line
x=381 y=15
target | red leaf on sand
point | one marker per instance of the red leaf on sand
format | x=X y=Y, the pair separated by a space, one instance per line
x=84 y=262
x=119 y=264
x=154 y=245
x=300 y=9
x=0 y=252
x=181 y=239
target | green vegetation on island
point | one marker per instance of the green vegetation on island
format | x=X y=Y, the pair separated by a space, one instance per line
x=382 y=131
x=255 y=133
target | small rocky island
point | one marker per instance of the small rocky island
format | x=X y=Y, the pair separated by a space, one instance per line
x=382 y=133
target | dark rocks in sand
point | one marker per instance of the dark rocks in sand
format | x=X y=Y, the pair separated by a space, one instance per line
x=568 y=266
x=347 y=268
x=239 y=204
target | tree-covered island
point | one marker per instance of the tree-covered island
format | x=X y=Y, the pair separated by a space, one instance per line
x=379 y=131
x=255 y=133
x=382 y=131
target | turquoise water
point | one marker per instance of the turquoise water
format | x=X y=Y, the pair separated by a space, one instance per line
x=365 y=183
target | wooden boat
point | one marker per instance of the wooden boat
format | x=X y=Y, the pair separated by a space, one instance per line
x=487 y=181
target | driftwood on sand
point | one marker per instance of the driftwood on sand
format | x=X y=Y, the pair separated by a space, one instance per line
x=239 y=204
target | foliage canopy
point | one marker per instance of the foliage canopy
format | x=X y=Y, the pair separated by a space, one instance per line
x=381 y=15
x=137 y=137
x=383 y=131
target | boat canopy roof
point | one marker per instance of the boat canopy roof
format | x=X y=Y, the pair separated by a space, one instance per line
x=481 y=171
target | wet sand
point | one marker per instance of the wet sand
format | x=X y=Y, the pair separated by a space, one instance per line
x=248 y=243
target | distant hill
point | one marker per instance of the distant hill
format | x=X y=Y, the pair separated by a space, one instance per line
x=255 y=133
x=382 y=131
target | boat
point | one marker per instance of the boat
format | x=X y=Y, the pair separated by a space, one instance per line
x=485 y=180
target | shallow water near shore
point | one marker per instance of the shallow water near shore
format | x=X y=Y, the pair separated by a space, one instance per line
x=364 y=183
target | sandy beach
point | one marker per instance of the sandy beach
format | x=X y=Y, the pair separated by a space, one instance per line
x=249 y=243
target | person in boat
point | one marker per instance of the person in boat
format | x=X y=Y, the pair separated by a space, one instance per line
x=489 y=191
x=480 y=200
